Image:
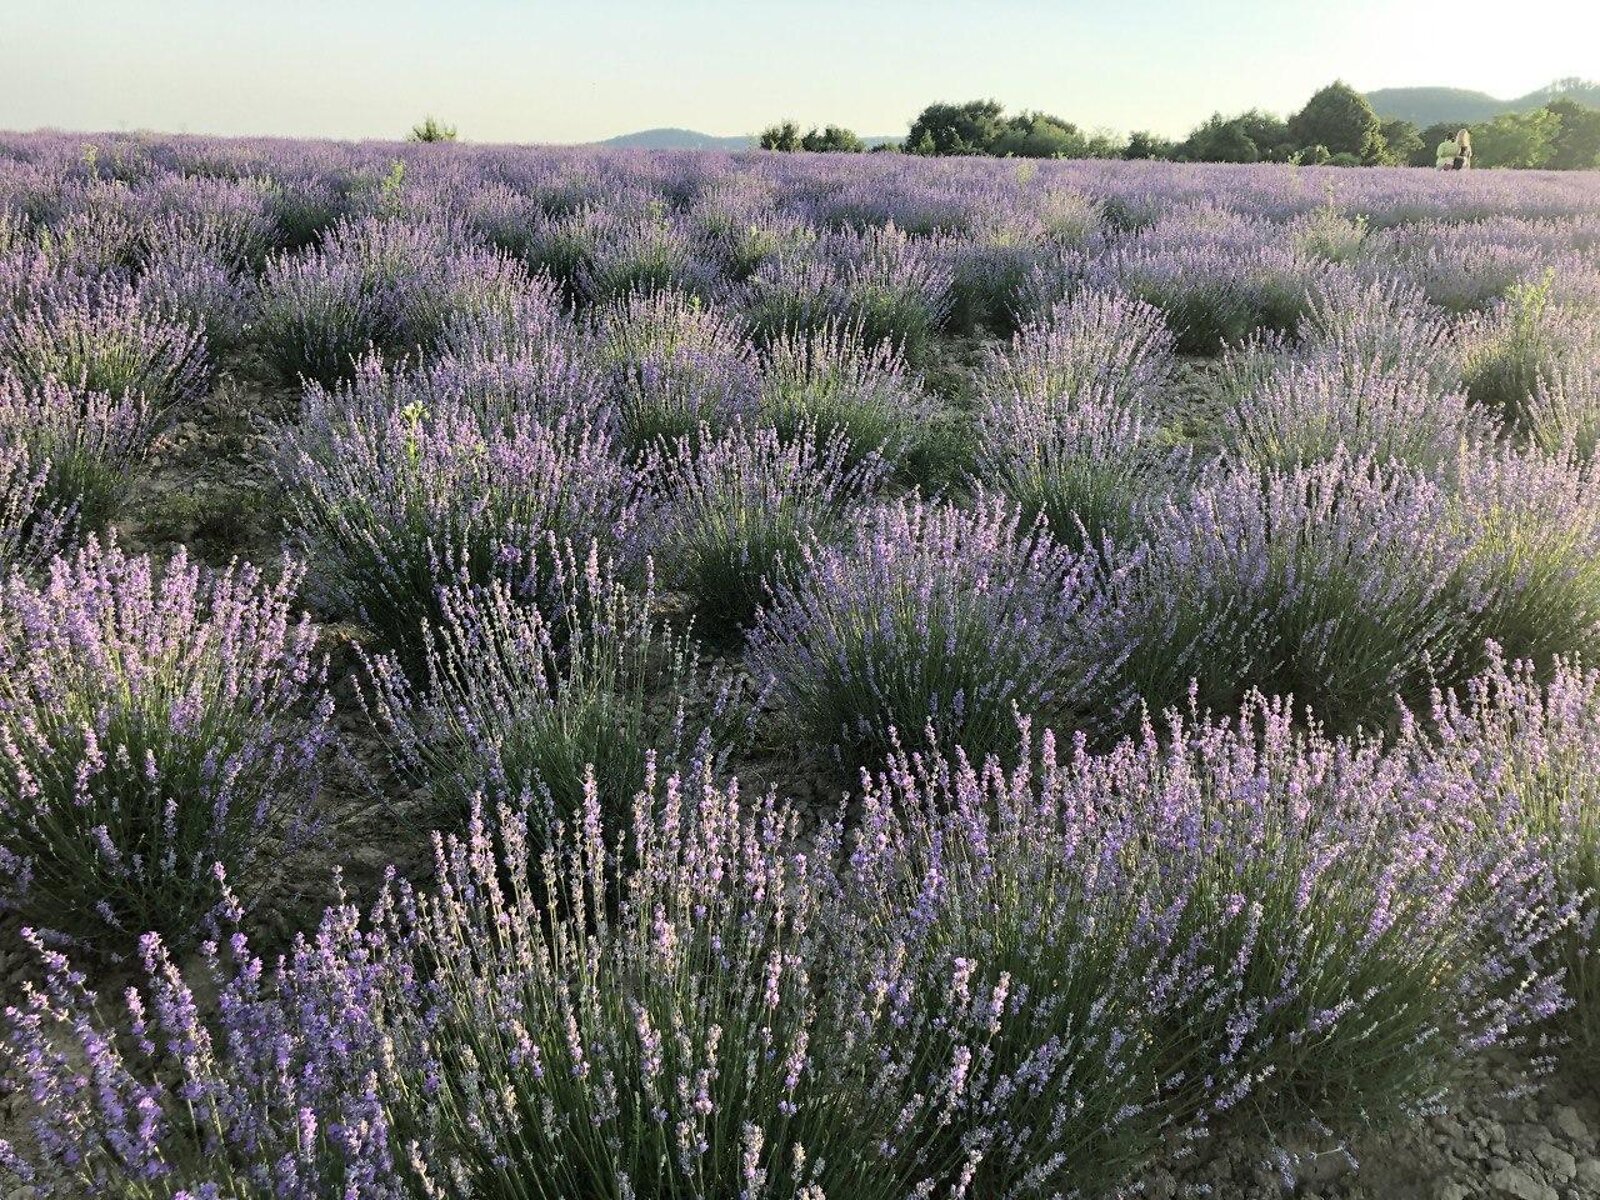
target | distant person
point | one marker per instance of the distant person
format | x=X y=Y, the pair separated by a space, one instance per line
x=1463 y=158
x=1449 y=151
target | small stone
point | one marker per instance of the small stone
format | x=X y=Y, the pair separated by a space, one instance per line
x=1561 y=1165
x=1517 y=1183
x=1571 y=1126
x=1450 y=1190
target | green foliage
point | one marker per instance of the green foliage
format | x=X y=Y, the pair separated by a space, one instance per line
x=784 y=136
x=1221 y=140
x=1576 y=145
x=432 y=130
x=1516 y=139
x=834 y=139
x=946 y=129
x=1339 y=118
x=1039 y=135
x=1403 y=144
x=1253 y=136
x=1144 y=144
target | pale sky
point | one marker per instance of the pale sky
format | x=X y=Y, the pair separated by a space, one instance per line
x=548 y=71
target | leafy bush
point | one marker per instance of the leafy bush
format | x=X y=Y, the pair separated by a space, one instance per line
x=432 y=130
x=153 y=724
x=938 y=620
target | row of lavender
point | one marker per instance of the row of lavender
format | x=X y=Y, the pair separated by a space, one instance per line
x=546 y=394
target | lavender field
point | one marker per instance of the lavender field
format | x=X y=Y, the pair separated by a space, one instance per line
x=577 y=674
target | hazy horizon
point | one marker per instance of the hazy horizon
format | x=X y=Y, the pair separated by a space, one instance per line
x=504 y=71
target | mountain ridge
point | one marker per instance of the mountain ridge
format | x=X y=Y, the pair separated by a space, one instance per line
x=1425 y=106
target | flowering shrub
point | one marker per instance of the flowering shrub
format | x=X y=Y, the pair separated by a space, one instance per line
x=1099 y=343
x=934 y=619
x=1342 y=583
x=1526 y=343
x=1525 y=741
x=828 y=380
x=1062 y=423
x=880 y=281
x=1322 y=402
x=392 y=502
x=1531 y=527
x=637 y=258
x=672 y=365
x=153 y=724
x=30 y=529
x=1223 y=923
x=1008 y=982
x=103 y=337
x=521 y=707
x=376 y=284
x=734 y=513
x=90 y=440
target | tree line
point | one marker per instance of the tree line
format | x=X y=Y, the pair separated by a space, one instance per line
x=1337 y=127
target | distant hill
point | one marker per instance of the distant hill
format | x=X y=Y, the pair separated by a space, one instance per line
x=1424 y=106
x=678 y=139
x=689 y=139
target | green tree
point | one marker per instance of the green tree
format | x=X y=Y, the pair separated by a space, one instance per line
x=432 y=130
x=1221 y=139
x=1144 y=144
x=1402 y=143
x=943 y=129
x=1339 y=118
x=833 y=139
x=1516 y=139
x=781 y=137
x=1269 y=132
x=1576 y=145
x=1038 y=135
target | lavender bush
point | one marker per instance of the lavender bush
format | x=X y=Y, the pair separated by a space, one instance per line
x=104 y=337
x=934 y=619
x=1524 y=740
x=733 y=514
x=31 y=530
x=830 y=381
x=523 y=708
x=90 y=440
x=1062 y=421
x=1342 y=583
x=1526 y=342
x=672 y=365
x=154 y=723
x=391 y=503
